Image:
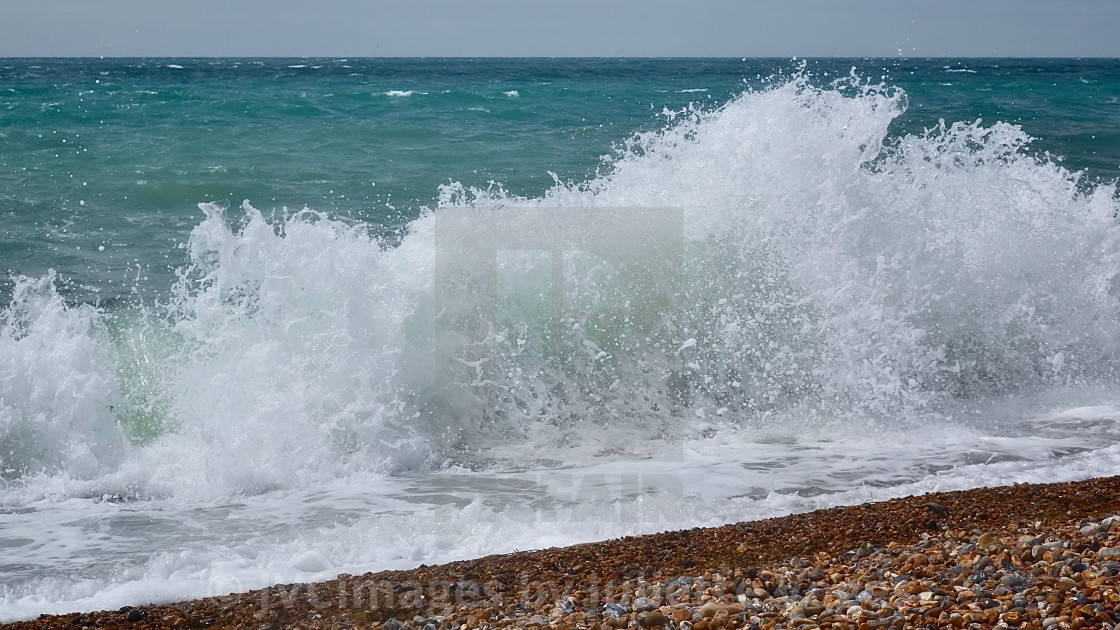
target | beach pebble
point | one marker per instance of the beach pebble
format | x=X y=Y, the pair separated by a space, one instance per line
x=643 y=604
x=940 y=510
x=1109 y=552
x=711 y=609
x=614 y=609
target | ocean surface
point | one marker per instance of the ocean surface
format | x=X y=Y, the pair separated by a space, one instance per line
x=267 y=321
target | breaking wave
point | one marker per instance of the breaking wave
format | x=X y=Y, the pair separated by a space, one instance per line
x=820 y=273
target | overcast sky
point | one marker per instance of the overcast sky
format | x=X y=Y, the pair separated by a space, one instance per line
x=738 y=28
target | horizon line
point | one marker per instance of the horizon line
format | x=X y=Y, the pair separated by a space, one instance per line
x=560 y=57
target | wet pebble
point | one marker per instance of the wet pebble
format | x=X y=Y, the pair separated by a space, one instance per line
x=614 y=609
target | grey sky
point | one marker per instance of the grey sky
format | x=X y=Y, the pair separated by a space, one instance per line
x=560 y=28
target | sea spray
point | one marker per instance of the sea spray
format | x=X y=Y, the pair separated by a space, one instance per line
x=291 y=329
x=57 y=388
x=847 y=274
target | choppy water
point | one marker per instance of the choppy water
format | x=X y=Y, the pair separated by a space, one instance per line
x=472 y=306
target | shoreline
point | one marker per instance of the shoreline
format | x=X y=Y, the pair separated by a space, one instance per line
x=1027 y=556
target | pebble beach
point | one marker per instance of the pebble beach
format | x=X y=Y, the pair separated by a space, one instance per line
x=1027 y=556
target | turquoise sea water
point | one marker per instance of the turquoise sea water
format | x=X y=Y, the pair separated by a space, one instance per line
x=117 y=153
x=266 y=321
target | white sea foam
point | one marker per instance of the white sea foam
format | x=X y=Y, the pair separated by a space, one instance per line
x=367 y=522
x=854 y=316
x=59 y=387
